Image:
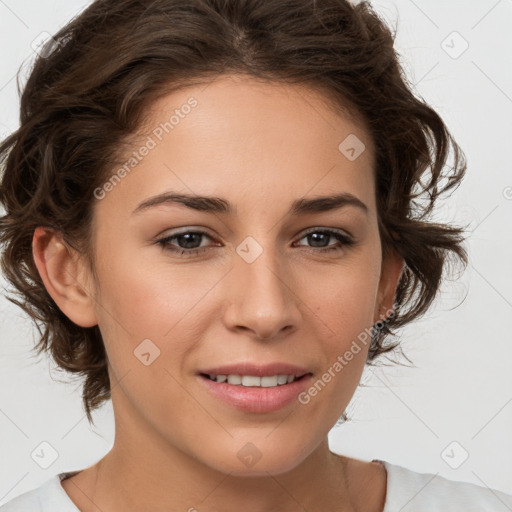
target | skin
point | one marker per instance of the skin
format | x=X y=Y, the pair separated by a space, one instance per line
x=260 y=146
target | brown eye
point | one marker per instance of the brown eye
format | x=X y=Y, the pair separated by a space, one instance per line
x=319 y=238
x=188 y=242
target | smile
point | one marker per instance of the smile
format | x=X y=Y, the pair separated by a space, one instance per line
x=253 y=380
x=254 y=388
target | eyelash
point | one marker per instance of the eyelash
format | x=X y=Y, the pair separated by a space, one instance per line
x=344 y=239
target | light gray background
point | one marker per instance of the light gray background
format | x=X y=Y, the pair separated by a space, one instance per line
x=460 y=394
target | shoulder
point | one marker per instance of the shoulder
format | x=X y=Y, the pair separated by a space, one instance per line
x=49 y=496
x=410 y=491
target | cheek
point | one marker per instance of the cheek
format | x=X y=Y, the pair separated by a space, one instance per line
x=344 y=320
x=343 y=300
x=152 y=300
x=157 y=310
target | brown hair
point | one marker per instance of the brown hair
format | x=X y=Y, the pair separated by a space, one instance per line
x=85 y=99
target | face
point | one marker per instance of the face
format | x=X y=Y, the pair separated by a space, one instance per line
x=184 y=292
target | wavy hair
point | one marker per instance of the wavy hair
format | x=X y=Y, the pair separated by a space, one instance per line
x=86 y=96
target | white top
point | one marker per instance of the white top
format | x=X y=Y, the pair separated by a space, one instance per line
x=407 y=491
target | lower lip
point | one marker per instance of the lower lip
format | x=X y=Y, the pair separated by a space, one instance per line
x=257 y=399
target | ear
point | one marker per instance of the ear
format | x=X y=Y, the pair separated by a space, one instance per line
x=391 y=271
x=65 y=276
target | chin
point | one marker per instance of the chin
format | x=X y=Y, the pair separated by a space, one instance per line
x=251 y=461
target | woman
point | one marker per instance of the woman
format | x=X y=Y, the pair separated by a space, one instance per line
x=211 y=207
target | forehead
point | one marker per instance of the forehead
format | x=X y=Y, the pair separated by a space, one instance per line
x=243 y=137
x=242 y=101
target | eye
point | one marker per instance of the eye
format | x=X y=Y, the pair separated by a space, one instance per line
x=322 y=236
x=187 y=241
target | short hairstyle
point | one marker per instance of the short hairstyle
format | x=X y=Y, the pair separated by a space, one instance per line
x=84 y=101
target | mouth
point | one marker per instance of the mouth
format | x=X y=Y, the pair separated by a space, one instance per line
x=268 y=381
x=256 y=389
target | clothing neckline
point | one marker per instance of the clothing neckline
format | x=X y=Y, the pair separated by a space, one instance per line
x=56 y=482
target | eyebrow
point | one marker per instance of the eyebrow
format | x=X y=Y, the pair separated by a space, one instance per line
x=219 y=205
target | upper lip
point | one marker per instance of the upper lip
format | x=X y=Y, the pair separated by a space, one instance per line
x=258 y=370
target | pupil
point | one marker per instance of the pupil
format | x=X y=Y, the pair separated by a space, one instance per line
x=316 y=236
x=189 y=239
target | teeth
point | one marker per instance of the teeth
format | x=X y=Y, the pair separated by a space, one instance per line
x=234 y=379
x=254 y=381
x=269 y=382
x=249 y=380
x=283 y=379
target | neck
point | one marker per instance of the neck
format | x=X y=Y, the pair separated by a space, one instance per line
x=145 y=471
x=148 y=479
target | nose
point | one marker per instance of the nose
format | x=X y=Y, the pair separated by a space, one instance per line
x=262 y=298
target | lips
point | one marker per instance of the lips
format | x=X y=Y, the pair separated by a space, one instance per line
x=256 y=388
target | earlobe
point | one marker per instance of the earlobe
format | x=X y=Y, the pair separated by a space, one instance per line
x=64 y=275
x=392 y=269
